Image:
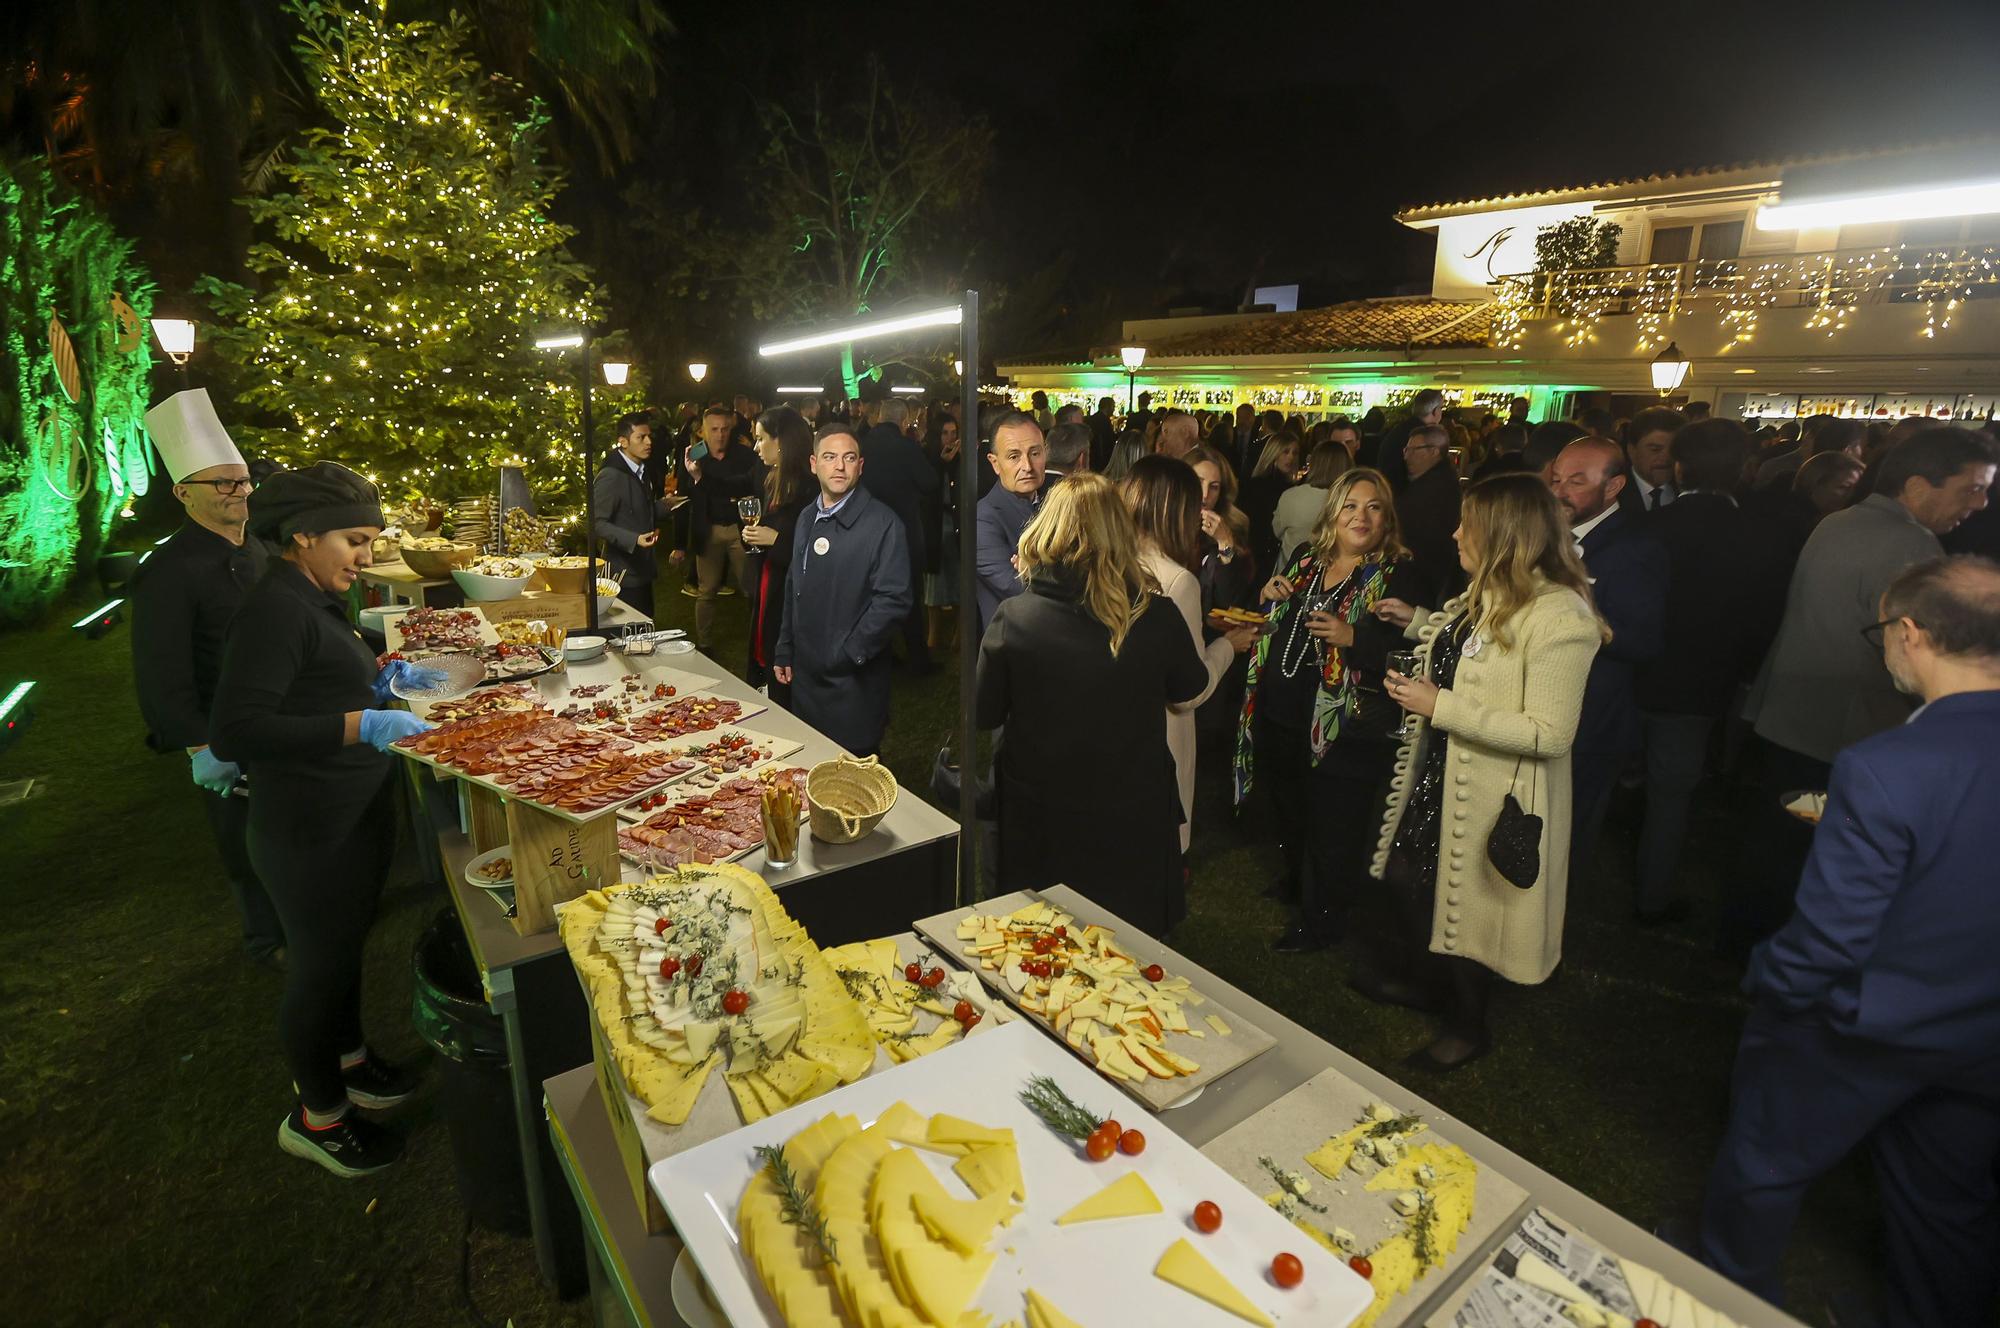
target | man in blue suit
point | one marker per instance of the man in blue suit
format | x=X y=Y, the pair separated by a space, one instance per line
x=1877 y=1015
x=1628 y=579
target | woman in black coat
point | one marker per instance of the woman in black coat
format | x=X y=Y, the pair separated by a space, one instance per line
x=784 y=445
x=1079 y=670
x=298 y=704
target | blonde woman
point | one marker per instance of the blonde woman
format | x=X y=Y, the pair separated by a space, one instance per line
x=1314 y=731
x=1299 y=509
x=1277 y=470
x=1079 y=668
x=1496 y=701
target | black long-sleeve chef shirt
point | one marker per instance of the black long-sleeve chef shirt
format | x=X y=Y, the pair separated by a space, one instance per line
x=182 y=598
x=291 y=670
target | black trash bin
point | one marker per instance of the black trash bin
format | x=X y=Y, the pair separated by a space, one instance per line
x=472 y=1075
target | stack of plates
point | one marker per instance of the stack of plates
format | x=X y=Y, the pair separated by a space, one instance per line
x=472 y=521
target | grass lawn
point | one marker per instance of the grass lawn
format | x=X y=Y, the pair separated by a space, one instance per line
x=141 y=1088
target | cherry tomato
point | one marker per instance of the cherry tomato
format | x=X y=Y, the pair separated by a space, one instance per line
x=1287 y=1271
x=1645 y=1323
x=735 y=1002
x=1359 y=1263
x=1207 y=1217
x=670 y=691
x=913 y=972
x=962 y=1011
x=694 y=966
x=1110 y=1127
x=660 y=926
x=1044 y=944
x=1154 y=972
x=1132 y=1143
x=970 y=1020
x=669 y=966
x=1062 y=931
x=1099 y=1147
x=934 y=978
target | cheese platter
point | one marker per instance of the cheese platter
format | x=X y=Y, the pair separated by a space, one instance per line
x=1370 y=1181
x=1547 y=1274
x=913 y=1003
x=950 y=1190
x=1102 y=989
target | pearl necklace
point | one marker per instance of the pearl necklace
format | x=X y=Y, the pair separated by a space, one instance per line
x=1300 y=640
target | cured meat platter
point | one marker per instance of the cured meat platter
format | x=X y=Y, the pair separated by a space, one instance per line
x=704 y=826
x=534 y=756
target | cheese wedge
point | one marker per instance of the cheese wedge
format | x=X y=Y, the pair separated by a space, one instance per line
x=952 y=1130
x=1183 y=1266
x=964 y=1224
x=898 y=1181
x=1128 y=1196
x=901 y=1122
x=994 y=1169
x=1535 y=1273
x=1041 y=1314
x=941 y=1283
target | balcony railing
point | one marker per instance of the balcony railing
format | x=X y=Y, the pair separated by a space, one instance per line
x=1831 y=283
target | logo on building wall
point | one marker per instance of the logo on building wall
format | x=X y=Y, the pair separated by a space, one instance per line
x=1494 y=243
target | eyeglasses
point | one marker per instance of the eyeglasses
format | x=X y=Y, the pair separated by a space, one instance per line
x=1874 y=632
x=224 y=488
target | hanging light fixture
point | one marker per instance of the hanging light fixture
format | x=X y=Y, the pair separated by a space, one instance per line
x=616 y=372
x=1670 y=370
x=1133 y=357
x=697 y=370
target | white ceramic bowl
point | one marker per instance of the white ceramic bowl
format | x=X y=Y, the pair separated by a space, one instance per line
x=577 y=649
x=479 y=587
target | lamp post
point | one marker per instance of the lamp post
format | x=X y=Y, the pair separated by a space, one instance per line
x=176 y=338
x=965 y=314
x=581 y=341
x=1670 y=370
x=697 y=370
x=616 y=372
x=1134 y=358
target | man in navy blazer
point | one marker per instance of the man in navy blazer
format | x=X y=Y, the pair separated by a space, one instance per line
x=1628 y=579
x=1877 y=1006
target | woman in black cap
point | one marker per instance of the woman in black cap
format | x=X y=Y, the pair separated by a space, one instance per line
x=298 y=705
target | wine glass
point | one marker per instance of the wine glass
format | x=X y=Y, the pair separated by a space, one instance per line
x=1410 y=664
x=750 y=509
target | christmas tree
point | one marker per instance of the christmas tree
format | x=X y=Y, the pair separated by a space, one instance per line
x=411 y=258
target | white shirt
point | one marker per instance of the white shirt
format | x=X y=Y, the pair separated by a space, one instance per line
x=1667 y=492
x=1578 y=532
x=821 y=512
x=638 y=467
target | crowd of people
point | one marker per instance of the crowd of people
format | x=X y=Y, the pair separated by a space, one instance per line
x=1426 y=654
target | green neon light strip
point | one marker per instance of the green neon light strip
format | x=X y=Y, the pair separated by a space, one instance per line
x=15 y=697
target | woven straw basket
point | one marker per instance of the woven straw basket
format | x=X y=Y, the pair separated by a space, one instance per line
x=849 y=798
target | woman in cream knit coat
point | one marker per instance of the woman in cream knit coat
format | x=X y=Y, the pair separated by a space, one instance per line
x=1497 y=706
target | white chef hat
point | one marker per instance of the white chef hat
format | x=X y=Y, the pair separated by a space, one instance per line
x=190 y=437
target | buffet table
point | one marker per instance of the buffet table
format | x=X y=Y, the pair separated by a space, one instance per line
x=904 y=869
x=633 y=1272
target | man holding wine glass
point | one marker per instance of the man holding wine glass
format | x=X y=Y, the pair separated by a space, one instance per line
x=718 y=473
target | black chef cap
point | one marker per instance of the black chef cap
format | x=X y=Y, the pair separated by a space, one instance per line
x=323 y=496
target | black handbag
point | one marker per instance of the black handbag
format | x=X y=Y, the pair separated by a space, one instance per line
x=945 y=777
x=1515 y=846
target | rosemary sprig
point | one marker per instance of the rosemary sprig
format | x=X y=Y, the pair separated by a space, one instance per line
x=795 y=1207
x=1395 y=1125
x=1423 y=1230
x=1284 y=1183
x=1057 y=1109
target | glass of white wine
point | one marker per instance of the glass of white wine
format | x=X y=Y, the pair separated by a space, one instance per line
x=1410 y=664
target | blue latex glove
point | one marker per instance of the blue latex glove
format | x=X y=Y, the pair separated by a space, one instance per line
x=379 y=728
x=215 y=774
x=414 y=677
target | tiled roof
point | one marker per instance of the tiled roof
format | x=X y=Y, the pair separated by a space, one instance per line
x=1695 y=176
x=1391 y=324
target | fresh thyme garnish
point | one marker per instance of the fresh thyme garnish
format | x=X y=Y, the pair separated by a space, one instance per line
x=1288 y=1182
x=1057 y=1109
x=794 y=1206
x=1423 y=1230
x=1395 y=1125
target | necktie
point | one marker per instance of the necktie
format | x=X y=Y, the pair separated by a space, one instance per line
x=1653 y=499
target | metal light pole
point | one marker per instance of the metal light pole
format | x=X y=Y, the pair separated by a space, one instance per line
x=571 y=341
x=1133 y=357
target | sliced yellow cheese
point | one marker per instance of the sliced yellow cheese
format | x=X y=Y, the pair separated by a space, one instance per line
x=964 y=1224
x=994 y=1169
x=1214 y=1021
x=1128 y=1196
x=952 y=1130
x=941 y=1283
x=1183 y=1266
x=901 y=1122
x=901 y=1177
x=1041 y=1314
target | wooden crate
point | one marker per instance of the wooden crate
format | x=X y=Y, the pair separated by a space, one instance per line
x=486 y=816
x=557 y=610
x=556 y=859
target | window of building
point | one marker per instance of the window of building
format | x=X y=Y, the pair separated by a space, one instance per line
x=1671 y=244
x=1721 y=239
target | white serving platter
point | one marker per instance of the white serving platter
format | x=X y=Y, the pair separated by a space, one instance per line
x=1098 y=1273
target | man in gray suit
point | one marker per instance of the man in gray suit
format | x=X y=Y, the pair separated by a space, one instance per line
x=627 y=516
x=1823 y=686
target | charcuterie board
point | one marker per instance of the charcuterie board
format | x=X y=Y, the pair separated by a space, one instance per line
x=717 y=756
x=1105 y=994
x=700 y=826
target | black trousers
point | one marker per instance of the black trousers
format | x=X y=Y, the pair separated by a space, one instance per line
x=1775 y=847
x=326 y=890
x=638 y=597
x=1326 y=817
x=229 y=822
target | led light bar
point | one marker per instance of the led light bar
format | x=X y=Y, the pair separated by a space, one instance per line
x=13 y=701
x=798 y=391
x=100 y=617
x=908 y=391
x=1969 y=199
x=948 y=316
x=567 y=341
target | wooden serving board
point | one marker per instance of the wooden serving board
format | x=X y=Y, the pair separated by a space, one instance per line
x=1329 y=1104
x=700 y=781
x=1217 y=1054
